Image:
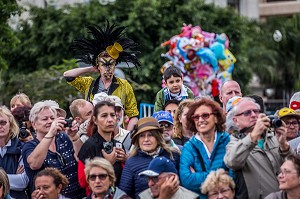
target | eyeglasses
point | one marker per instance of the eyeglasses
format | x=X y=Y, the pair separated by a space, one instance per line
x=204 y=116
x=166 y=125
x=215 y=195
x=248 y=112
x=93 y=177
x=293 y=123
x=61 y=160
x=154 y=179
x=287 y=172
x=3 y=123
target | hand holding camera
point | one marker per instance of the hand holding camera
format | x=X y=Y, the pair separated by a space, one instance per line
x=112 y=156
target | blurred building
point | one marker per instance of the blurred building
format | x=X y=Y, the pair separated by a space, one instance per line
x=259 y=9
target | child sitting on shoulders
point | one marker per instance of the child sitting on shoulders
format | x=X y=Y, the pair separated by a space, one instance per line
x=174 y=90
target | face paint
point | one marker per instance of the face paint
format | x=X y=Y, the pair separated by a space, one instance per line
x=107 y=67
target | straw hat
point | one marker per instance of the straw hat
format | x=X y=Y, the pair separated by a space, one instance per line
x=145 y=124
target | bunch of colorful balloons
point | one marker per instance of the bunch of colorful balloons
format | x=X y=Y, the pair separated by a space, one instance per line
x=203 y=58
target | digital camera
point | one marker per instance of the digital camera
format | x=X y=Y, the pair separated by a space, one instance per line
x=108 y=147
x=275 y=121
x=69 y=123
x=23 y=130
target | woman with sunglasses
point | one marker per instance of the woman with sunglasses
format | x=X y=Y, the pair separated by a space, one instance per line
x=289 y=179
x=101 y=142
x=10 y=157
x=52 y=147
x=205 y=151
x=101 y=178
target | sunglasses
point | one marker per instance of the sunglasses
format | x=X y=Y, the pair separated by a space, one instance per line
x=93 y=177
x=248 y=112
x=61 y=160
x=204 y=116
x=154 y=179
x=3 y=123
x=166 y=125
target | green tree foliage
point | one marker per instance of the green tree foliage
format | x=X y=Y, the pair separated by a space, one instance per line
x=8 y=39
x=277 y=64
x=45 y=43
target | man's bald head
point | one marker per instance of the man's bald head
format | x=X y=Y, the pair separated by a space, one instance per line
x=229 y=89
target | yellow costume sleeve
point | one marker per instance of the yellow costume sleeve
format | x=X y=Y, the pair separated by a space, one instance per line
x=126 y=94
x=82 y=84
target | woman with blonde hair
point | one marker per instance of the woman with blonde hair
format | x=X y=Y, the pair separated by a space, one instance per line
x=20 y=99
x=218 y=182
x=100 y=171
x=181 y=133
x=10 y=159
x=148 y=141
x=4 y=185
x=54 y=146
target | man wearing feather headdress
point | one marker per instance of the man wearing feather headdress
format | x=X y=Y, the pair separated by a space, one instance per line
x=103 y=51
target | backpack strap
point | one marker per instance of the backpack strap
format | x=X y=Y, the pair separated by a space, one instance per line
x=166 y=94
x=200 y=157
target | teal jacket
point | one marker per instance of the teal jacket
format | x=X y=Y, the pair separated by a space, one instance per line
x=189 y=158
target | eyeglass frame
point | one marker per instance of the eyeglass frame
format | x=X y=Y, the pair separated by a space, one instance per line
x=101 y=177
x=287 y=172
x=61 y=159
x=155 y=179
x=196 y=118
x=216 y=194
x=248 y=112
x=3 y=122
x=293 y=123
x=166 y=125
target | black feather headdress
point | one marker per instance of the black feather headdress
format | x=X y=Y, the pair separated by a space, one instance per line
x=87 y=50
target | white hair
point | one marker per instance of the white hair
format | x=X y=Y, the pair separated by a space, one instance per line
x=40 y=106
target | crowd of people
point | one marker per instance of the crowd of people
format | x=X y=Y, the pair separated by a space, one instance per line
x=191 y=147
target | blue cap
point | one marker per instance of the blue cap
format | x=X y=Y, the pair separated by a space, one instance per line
x=159 y=165
x=163 y=116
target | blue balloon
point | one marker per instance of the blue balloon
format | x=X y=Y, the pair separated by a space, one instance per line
x=208 y=56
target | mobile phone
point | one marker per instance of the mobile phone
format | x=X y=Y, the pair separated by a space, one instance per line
x=119 y=145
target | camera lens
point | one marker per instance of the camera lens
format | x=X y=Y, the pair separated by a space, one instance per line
x=275 y=121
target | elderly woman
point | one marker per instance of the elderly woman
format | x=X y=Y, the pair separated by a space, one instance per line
x=52 y=147
x=10 y=157
x=289 y=179
x=218 y=182
x=19 y=100
x=99 y=171
x=181 y=132
x=291 y=120
x=49 y=183
x=149 y=143
x=205 y=151
x=101 y=142
x=4 y=185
